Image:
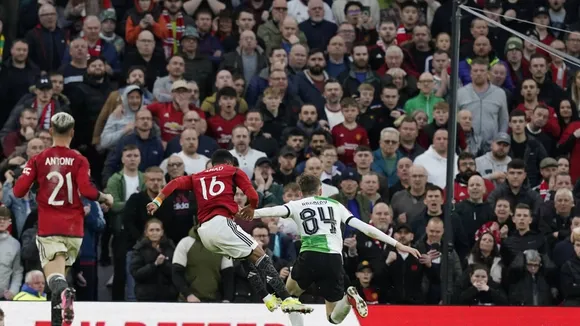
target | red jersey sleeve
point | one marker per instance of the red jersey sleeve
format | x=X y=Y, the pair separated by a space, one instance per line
x=84 y=184
x=26 y=179
x=242 y=181
x=182 y=183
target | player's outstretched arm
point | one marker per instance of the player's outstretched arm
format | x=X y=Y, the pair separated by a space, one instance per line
x=244 y=183
x=181 y=183
x=375 y=233
x=275 y=211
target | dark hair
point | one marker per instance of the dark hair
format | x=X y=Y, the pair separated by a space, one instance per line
x=480 y=61
x=349 y=102
x=389 y=86
x=28 y=110
x=331 y=81
x=523 y=206
x=476 y=252
x=538 y=56
x=432 y=187
x=363 y=148
x=222 y=156
x=246 y=10
x=307 y=104
x=530 y=79
x=259 y=225
x=203 y=11
x=408 y=119
x=540 y=107
x=465 y=156
x=255 y=111
x=439 y=51
x=295 y=132
x=388 y=21
x=55 y=73
x=321 y=132
x=314 y=51
x=309 y=184
x=475 y=267
x=130 y=147
x=20 y=40
x=516 y=164
x=274 y=49
x=352 y=3
x=226 y=91
x=517 y=113
x=5 y=212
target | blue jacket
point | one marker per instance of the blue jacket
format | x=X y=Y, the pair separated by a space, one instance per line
x=318 y=34
x=94 y=224
x=465 y=73
x=108 y=52
x=18 y=207
x=151 y=153
x=379 y=167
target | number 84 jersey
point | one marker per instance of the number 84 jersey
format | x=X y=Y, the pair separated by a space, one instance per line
x=63 y=177
x=319 y=219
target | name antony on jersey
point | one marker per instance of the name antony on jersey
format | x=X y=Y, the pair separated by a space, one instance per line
x=59 y=161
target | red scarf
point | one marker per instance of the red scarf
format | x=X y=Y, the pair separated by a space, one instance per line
x=45 y=115
x=95 y=51
x=171 y=44
x=563 y=75
x=544 y=189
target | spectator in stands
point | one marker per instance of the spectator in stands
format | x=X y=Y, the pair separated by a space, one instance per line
x=524 y=238
x=472 y=141
x=386 y=157
x=19 y=207
x=145 y=16
x=314 y=166
x=75 y=69
x=177 y=22
x=550 y=93
x=46 y=35
x=426 y=100
x=311 y=82
x=435 y=158
x=28 y=122
x=403 y=172
x=387 y=30
x=297 y=58
x=211 y=104
x=526 y=147
x=108 y=18
x=467 y=168
x=474 y=211
x=163 y=87
x=404 y=276
x=117 y=127
x=144 y=137
x=199 y=274
x=317 y=28
x=259 y=139
x=493 y=164
x=247 y=156
x=440 y=121
x=528 y=277
x=270 y=31
x=407 y=203
x=360 y=72
x=359 y=205
x=16 y=75
x=419 y=49
x=564 y=250
x=486 y=252
x=98 y=47
x=349 y=135
x=17 y=161
x=269 y=191
x=245 y=21
x=548 y=170
x=337 y=59
x=278 y=243
x=482 y=50
x=286 y=171
x=33 y=287
x=193 y=162
x=10 y=265
x=197 y=66
x=146 y=56
x=430 y=246
x=151 y=265
x=490 y=113
x=570 y=277
x=530 y=92
x=369 y=187
x=514 y=189
x=206 y=145
x=248 y=59
x=480 y=289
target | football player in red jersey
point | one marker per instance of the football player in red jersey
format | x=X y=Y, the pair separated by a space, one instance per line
x=214 y=191
x=62 y=175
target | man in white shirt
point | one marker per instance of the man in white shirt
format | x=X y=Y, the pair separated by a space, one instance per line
x=193 y=161
x=434 y=160
x=131 y=159
x=314 y=166
x=247 y=156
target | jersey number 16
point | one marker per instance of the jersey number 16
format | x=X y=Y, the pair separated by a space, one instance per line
x=310 y=222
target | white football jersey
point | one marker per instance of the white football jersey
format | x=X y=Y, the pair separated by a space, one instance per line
x=318 y=220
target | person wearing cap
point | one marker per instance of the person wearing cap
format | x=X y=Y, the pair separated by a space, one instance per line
x=170 y=114
x=526 y=147
x=108 y=19
x=548 y=169
x=269 y=191
x=541 y=22
x=364 y=283
x=197 y=67
x=286 y=171
x=46 y=35
x=240 y=138
x=116 y=127
x=43 y=104
x=493 y=164
x=519 y=68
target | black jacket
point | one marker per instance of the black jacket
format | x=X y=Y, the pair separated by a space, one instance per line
x=570 y=282
x=154 y=68
x=153 y=283
x=523 y=286
x=86 y=101
x=470 y=296
x=533 y=155
x=517 y=243
x=525 y=196
x=472 y=217
x=268 y=145
x=46 y=48
x=15 y=84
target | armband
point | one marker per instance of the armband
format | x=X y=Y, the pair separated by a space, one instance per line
x=157 y=201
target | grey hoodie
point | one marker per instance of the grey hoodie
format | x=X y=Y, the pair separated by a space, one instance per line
x=114 y=128
x=489 y=110
x=10 y=266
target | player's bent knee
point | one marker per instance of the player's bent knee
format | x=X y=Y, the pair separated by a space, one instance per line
x=332 y=321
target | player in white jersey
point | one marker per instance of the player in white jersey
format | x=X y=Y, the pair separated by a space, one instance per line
x=320 y=260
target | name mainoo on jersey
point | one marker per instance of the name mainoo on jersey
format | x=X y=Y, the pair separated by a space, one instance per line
x=59 y=161
x=316 y=202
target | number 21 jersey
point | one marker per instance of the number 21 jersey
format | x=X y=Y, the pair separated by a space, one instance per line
x=318 y=219
x=62 y=175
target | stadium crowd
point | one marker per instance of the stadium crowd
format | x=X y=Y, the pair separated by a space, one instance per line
x=355 y=92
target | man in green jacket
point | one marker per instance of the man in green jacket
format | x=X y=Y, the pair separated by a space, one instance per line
x=426 y=99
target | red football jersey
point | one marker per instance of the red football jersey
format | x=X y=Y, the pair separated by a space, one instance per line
x=221 y=129
x=350 y=139
x=169 y=119
x=63 y=177
x=214 y=190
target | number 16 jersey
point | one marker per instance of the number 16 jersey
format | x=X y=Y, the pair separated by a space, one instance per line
x=318 y=220
x=62 y=175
